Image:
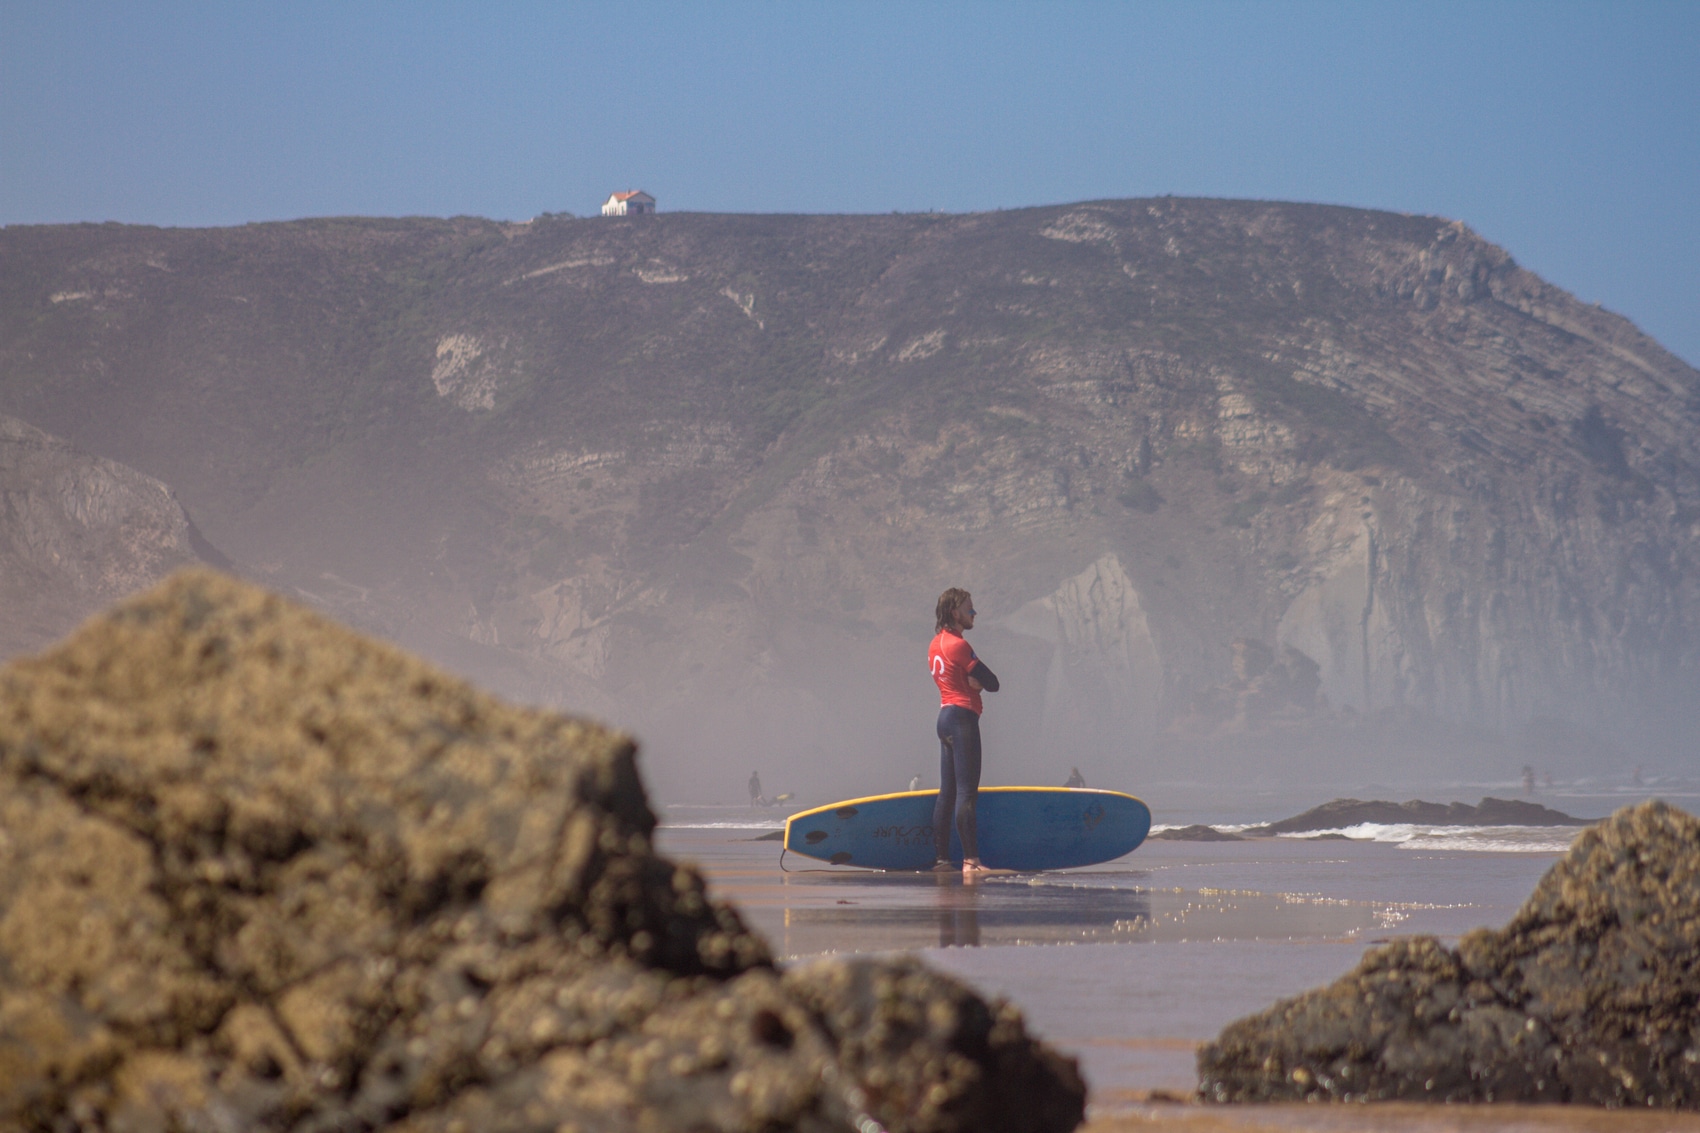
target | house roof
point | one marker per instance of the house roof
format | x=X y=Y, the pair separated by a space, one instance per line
x=629 y=194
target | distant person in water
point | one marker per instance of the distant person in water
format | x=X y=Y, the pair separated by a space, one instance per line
x=755 y=790
x=914 y=782
x=961 y=676
x=1075 y=778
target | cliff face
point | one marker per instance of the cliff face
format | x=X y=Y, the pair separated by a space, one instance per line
x=706 y=474
x=77 y=533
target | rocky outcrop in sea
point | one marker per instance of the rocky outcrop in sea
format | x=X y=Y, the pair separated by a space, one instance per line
x=1591 y=994
x=1338 y=814
x=1197 y=832
x=260 y=873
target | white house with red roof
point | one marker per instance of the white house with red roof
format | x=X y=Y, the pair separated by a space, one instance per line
x=632 y=202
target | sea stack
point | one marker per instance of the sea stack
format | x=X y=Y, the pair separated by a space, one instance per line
x=258 y=872
x=1587 y=996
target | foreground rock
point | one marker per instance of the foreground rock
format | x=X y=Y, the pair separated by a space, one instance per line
x=1589 y=995
x=1341 y=813
x=259 y=873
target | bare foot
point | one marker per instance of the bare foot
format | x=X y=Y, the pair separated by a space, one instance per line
x=973 y=866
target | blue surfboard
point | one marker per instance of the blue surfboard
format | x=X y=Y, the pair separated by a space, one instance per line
x=1021 y=828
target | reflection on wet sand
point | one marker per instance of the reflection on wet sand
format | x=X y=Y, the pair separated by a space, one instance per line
x=958 y=912
x=1224 y=929
x=831 y=911
x=847 y=912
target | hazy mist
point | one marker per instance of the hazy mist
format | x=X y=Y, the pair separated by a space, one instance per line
x=1245 y=492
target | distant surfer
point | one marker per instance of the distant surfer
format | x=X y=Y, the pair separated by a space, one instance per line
x=755 y=790
x=1075 y=778
x=961 y=676
x=914 y=782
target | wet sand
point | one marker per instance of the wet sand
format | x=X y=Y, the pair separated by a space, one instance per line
x=1389 y=1118
x=1128 y=966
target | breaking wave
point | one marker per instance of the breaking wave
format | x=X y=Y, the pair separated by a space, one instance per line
x=700 y=816
x=1414 y=836
x=1492 y=839
x=771 y=824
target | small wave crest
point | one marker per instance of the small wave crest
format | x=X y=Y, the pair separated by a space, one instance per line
x=753 y=824
x=1488 y=839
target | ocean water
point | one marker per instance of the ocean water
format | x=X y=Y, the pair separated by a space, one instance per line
x=1129 y=965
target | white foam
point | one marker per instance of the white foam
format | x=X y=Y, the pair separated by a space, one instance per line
x=770 y=824
x=1490 y=839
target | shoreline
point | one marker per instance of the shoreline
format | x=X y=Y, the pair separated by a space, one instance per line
x=1385 y=1117
x=1129 y=967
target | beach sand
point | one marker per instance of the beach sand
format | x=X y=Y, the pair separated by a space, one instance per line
x=1388 y=1118
x=1129 y=965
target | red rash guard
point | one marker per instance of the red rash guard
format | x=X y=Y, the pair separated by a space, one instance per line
x=950 y=658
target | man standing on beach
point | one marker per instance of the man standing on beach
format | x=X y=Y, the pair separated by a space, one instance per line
x=960 y=676
x=755 y=790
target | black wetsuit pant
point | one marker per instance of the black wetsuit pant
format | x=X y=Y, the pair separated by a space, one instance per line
x=959 y=780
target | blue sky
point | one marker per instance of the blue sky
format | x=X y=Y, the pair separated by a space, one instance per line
x=1567 y=132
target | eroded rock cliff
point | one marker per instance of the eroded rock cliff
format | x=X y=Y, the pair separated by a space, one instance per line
x=713 y=470
x=76 y=533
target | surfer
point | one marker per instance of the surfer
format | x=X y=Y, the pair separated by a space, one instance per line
x=1075 y=778
x=961 y=676
x=755 y=790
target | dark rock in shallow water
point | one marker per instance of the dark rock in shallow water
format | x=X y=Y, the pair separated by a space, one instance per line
x=1591 y=994
x=1197 y=832
x=260 y=873
x=1352 y=812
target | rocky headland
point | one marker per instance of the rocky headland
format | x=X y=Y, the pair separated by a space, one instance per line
x=260 y=873
x=1235 y=483
x=1591 y=994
